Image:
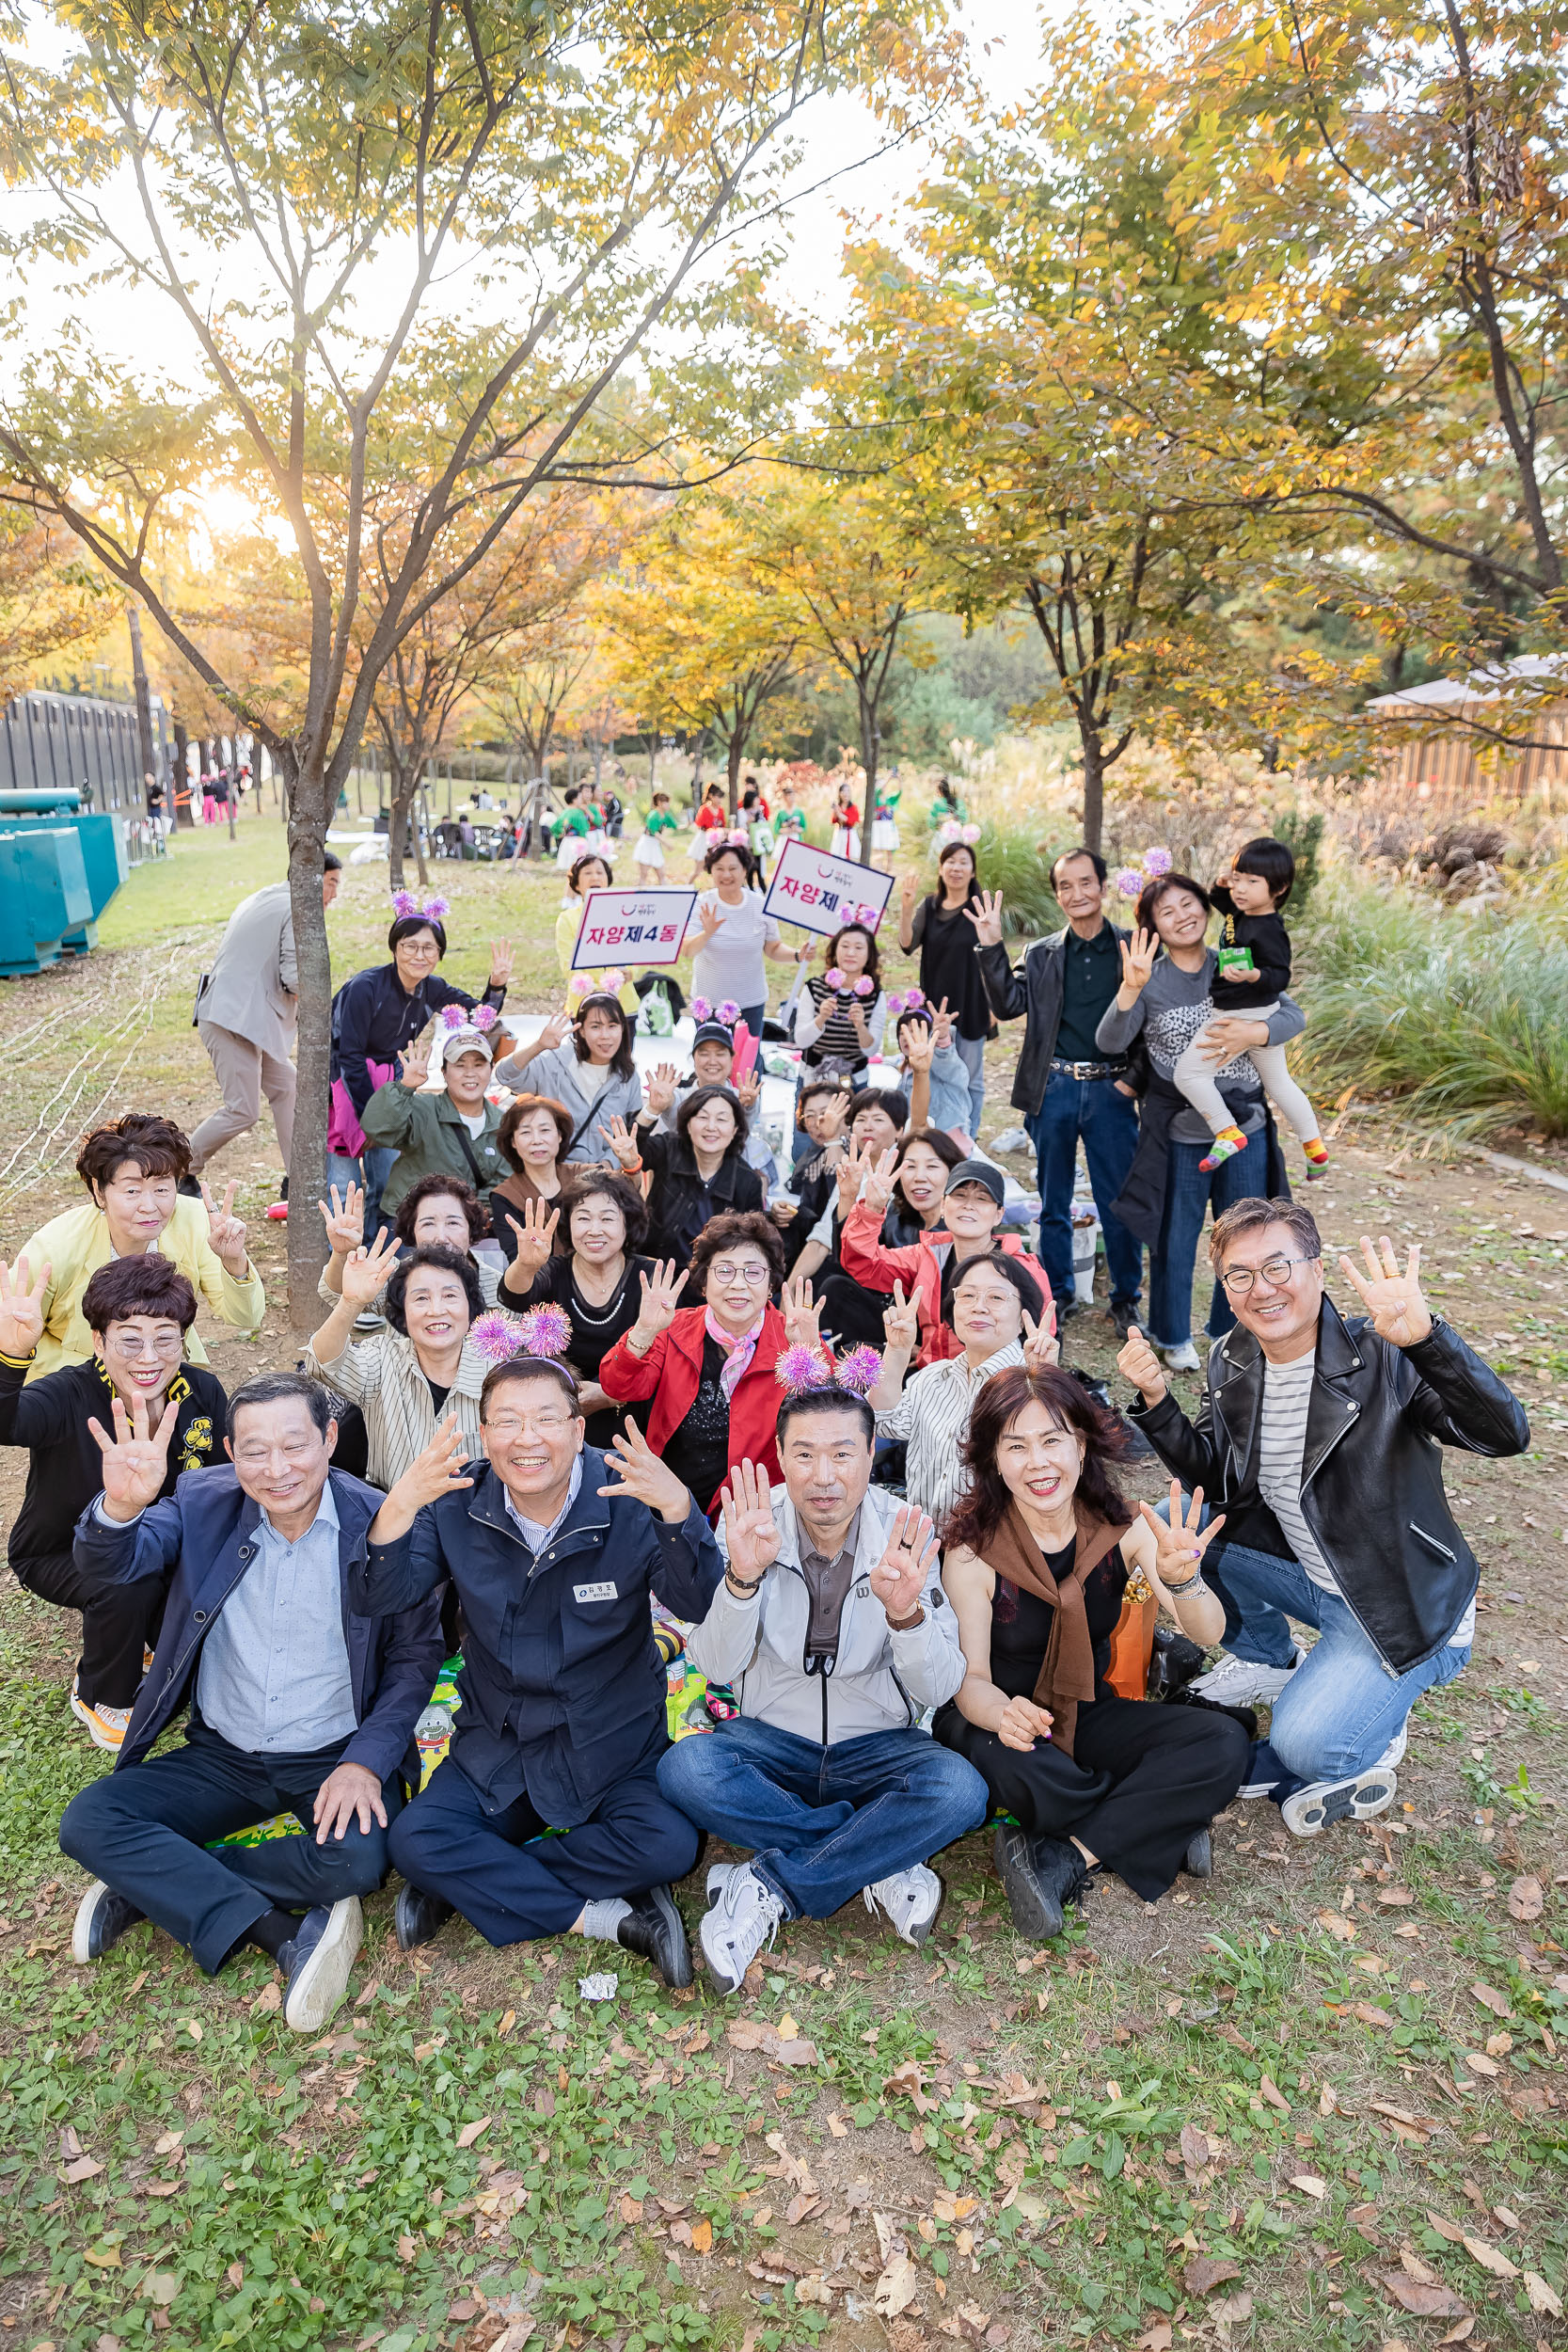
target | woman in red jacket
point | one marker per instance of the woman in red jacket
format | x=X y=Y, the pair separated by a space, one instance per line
x=971 y=1213
x=711 y=1371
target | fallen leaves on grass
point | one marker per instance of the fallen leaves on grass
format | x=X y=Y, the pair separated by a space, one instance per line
x=1342 y=1928
x=1424 y=2299
x=1543 y=2300
x=750 y=2033
x=1526 y=1897
x=1489 y=2257
x=1204 y=2273
x=1491 y=1999
x=470 y=2132
x=896 y=2287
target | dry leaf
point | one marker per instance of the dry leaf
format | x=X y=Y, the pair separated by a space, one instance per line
x=1491 y=1999
x=1450 y=2230
x=1232 y=2309
x=1395 y=1895
x=1272 y=2093
x=1461 y=2330
x=235 y=2274
x=1543 y=2300
x=701 y=2237
x=470 y=2132
x=406 y=2250
x=1526 y=1899
x=798 y=2208
x=896 y=2289
x=1156 y=2337
x=1195 y=2146
x=85 y=2169
x=1370 y=2015
x=1342 y=1929
x=166 y=2144
x=1415 y=2268
x=103 y=2257
x=1203 y=2273
x=1309 y=2183
x=1478 y=2064
x=507 y=2021
x=838 y=2127
x=680 y=2232
x=1435 y=2301
x=161 y=2287
x=1499 y=2044
x=631 y=2208
x=1489 y=2257
x=269 y=1998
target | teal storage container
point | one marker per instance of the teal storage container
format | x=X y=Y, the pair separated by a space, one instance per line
x=59 y=870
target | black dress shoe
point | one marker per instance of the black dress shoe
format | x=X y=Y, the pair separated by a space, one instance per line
x=101 y=1919
x=1198 y=1861
x=1040 y=1876
x=417 y=1917
x=654 y=1928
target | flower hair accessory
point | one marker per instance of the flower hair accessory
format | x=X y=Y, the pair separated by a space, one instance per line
x=546 y=1330
x=614 y=981
x=499 y=1335
x=834 y=978
x=972 y=834
x=736 y=840
x=867 y=916
x=452 y=1017
x=405 y=904
x=865 y=985
x=1154 y=865
x=701 y=1009
x=728 y=1012
x=483 y=1017
x=801 y=1369
x=496 y=1334
x=860 y=1371
x=912 y=1000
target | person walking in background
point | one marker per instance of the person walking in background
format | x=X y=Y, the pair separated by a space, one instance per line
x=845 y=819
x=1065 y=1085
x=648 y=849
x=246 y=1009
x=1253 y=971
x=950 y=972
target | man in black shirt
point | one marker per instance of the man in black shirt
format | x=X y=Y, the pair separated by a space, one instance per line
x=139 y=1311
x=1065 y=1086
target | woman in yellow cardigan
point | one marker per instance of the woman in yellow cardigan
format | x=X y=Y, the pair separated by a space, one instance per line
x=133 y=1168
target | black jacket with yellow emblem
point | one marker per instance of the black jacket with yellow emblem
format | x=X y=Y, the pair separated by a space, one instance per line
x=67 y=1470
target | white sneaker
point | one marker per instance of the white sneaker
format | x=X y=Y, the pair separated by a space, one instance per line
x=318 y=1960
x=1182 y=1359
x=909 y=1901
x=719 y=1875
x=107 y=1725
x=1394 y=1753
x=741 y=1923
x=1237 y=1682
x=1324 y=1802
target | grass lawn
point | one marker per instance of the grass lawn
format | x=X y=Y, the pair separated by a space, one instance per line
x=1317 y=2102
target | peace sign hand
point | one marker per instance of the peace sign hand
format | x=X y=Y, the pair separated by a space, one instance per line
x=1400 y=1313
x=899 y=1576
x=1179 y=1548
x=366 y=1271
x=661 y=1291
x=987 y=922
x=134 y=1464
x=901 y=1323
x=1137 y=962
x=22 y=1303
x=535 y=1235
x=751 y=1532
x=226 y=1231
x=941 y=1033
x=345 y=1219
x=878 y=1173
x=801 y=1319
x=641 y=1474
x=1041 y=1347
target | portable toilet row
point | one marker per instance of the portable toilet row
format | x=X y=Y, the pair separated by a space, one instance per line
x=59 y=867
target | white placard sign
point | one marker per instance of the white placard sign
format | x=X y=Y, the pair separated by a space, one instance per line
x=631 y=927
x=821 y=893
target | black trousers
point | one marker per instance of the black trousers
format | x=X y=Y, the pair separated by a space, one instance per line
x=1143 y=1778
x=144 y=1831
x=117 y=1626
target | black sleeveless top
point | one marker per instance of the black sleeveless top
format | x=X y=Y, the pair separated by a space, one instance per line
x=1021 y=1621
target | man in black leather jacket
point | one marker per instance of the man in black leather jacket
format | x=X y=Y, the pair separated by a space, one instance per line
x=1318 y=1449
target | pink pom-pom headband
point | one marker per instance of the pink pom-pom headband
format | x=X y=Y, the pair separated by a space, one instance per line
x=454 y=1017
x=405 y=904
x=801 y=1369
x=500 y=1335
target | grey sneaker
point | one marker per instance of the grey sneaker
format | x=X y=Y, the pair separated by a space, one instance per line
x=909 y=1901
x=101 y=1919
x=739 y=1925
x=1324 y=1801
x=1237 y=1682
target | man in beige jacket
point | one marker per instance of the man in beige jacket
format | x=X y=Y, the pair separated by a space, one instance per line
x=246 y=1009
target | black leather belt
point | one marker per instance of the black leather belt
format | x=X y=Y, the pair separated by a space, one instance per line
x=1090 y=1069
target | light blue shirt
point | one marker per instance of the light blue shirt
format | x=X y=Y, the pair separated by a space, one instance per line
x=274 y=1676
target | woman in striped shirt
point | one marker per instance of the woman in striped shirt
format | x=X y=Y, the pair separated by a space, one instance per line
x=842 y=1025
x=419 y=1371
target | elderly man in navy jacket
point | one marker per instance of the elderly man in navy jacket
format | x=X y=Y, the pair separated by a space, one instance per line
x=562 y=1719
x=298 y=1700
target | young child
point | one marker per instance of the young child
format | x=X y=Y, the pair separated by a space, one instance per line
x=1254 y=973
x=647 y=848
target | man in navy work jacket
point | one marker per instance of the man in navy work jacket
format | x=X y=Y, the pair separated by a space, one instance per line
x=562 y=1719
x=298 y=1702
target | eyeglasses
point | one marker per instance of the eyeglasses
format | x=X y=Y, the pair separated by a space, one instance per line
x=161 y=1343
x=1274 y=1271
x=753 y=1276
x=509 y=1425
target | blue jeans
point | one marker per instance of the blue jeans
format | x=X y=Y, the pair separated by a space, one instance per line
x=971 y=1053
x=1188 y=1195
x=371 y=1170
x=823 y=1822
x=1341 y=1709
x=1108 y=1122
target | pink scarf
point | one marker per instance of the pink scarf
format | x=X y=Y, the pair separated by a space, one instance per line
x=738 y=1352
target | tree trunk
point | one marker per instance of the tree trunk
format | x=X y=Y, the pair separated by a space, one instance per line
x=308 y=821
x=1094 y=785
x=404 y=779
x=737 y=755
x=870 y=749
x=180 y=810
x=144 y=697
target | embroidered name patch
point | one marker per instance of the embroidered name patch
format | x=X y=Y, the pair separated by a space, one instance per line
x=593 y=1592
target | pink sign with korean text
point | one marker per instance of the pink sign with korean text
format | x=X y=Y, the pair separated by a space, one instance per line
x=821 y=893
x=632 y=927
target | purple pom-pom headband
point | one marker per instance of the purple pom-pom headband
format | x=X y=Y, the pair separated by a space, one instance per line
x=405 y=904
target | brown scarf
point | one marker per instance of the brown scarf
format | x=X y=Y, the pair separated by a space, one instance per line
x=1066 y=1678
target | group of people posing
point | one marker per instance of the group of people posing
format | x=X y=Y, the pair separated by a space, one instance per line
x=579 y=1357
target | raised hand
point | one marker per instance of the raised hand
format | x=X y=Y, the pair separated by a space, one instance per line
x=988 y=920
x=847 y=1176
x=1400 y=1313
x=1179 y=1548
x=661 y=1292
x=833 y=1111
x=659 y=1087
x=1138 y=1364
x=801 y=1318
x=135 y=1464
x=226 y=1231
x=345 y=1219
x=535 y=1235
x=899 y=1576
x=22 y=1303
x=900 y=1323
x=621 y=1141
x=641 y=1474
x=502 y=956
x=1022 y=1723
x=878 y=1174
x=557 y=1029
x=941 y=1033
x=414 y=1065
x=748 y=1092
x=1041 y=1347
x=908 y=891
x=917 y=1043
x=437 y=1472
x=750 y=1533
x=710 y=918
x=367 y=1271
x=1137 y=961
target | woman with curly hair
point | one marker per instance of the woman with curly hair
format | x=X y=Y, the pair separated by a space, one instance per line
x=711 y=1369
x=411 y=1377
x=1042 y=1549
x=132 y=1169
x=581 y=1254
